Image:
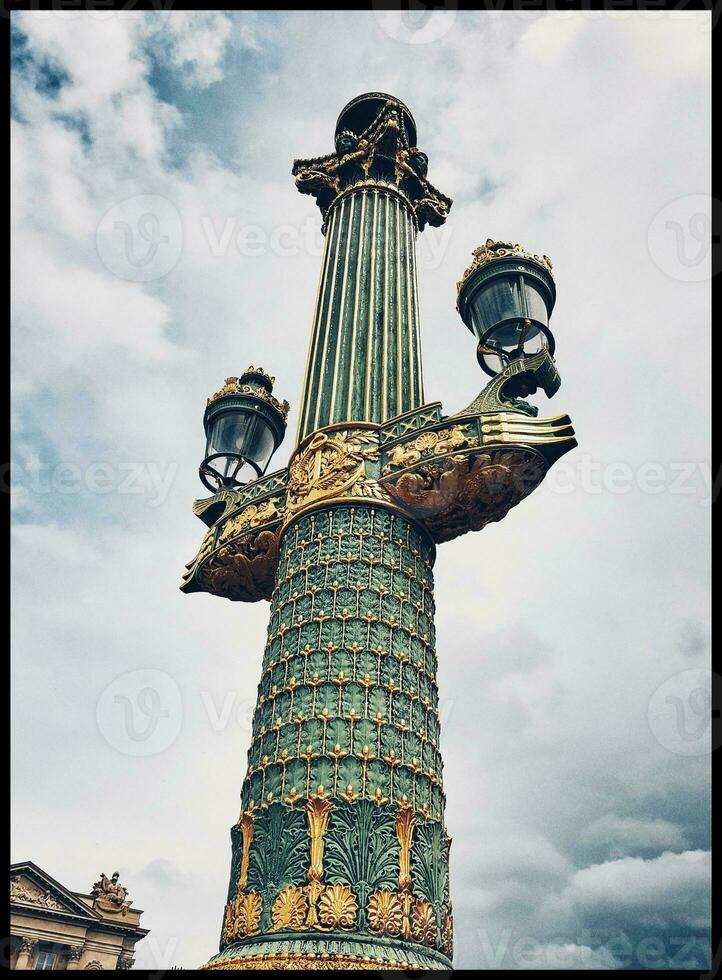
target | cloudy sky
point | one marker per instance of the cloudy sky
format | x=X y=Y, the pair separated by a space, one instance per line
x=572 y=637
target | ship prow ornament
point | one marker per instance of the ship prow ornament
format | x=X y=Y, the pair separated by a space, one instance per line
x=340 y=853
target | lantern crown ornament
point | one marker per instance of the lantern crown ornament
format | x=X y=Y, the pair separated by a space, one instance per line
x=340 y=854
x=493 y=251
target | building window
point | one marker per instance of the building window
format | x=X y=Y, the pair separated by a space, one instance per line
x=45 y=960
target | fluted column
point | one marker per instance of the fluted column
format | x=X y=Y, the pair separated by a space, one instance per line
x=340 y=855
x=364 y=359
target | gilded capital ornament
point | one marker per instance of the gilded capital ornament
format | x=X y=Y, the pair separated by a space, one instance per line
x=377 y=155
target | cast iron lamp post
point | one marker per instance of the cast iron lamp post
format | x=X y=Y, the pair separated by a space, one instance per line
x=340 y=853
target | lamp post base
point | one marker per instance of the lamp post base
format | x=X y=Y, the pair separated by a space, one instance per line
x=348 y=953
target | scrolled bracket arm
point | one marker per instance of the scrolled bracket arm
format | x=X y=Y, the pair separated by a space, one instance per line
x=450 y=475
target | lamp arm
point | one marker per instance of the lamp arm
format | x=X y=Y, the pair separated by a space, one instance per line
x=539 y=366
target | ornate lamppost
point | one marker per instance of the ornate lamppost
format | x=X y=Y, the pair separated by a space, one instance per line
x=340 y=853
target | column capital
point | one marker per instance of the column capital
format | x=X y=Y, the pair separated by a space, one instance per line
x=374 y=146
x=74 y=954
x=26 y=949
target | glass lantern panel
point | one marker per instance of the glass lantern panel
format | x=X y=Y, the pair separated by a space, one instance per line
x=499 y=300
x=243 y=433
x=536 y=307
x=232 y=469
x=508 y=336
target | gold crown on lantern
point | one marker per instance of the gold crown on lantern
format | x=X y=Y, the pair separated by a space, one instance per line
x=492 y=250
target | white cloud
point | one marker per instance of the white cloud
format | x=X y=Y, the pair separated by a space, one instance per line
x=549 y=37
x=195 y=44
x=100 y=55
x=90 y=309
x=554 y=628
x=677 y=44
x=672 y=889
x=565 y=956
x=628 y=833
x=523 y=855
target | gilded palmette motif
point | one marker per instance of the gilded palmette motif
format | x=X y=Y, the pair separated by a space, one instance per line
x=386 y=912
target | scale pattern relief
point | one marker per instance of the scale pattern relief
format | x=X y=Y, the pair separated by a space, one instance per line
x=344 y=770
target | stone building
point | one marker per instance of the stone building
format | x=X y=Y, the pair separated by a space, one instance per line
x=54 y=928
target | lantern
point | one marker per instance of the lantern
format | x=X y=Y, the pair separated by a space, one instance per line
x=506 y=298
x=244 y=426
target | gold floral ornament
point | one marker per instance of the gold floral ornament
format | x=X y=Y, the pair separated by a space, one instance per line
x=405 y=823
x=249 y=913
x=243 y=915
x=233 y=386
x=337 y=907
x=289 y=909
x=428 y=444
x=245 y=822
x=251 y=516
x=303 y=961
x=385 y=912
x=361 y=160
x=458 y=494
x=318 y=810
x=243 y=570
x=423 y=923
x=447 y=932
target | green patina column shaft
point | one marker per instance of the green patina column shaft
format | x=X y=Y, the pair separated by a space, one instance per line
x=365 y=351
